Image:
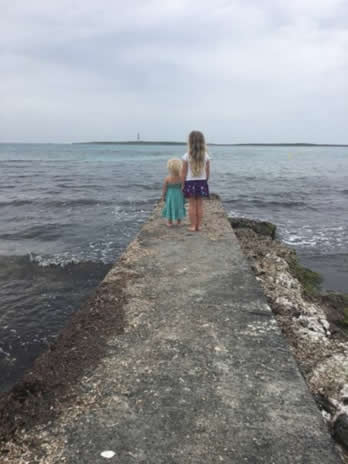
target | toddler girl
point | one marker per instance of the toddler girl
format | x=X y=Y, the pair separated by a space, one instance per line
x=174 y=209
x=195 y=175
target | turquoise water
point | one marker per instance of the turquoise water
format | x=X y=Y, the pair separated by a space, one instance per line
x=68 y=211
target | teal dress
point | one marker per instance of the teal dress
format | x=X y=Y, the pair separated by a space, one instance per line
x=174 y=208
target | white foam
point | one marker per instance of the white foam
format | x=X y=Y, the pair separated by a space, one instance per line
x=55 y=260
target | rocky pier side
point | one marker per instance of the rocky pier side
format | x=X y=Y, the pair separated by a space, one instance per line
x=313 y=321
x=177 y=358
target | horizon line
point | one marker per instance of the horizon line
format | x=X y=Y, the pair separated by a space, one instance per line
x=172 y=142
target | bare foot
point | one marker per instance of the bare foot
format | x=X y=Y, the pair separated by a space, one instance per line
x=170 y=224
x=191 y=229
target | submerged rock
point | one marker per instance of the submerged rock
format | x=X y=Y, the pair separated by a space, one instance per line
x=260 y=227
x=338 y=304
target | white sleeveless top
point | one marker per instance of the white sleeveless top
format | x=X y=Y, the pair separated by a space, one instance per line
x=202 y=175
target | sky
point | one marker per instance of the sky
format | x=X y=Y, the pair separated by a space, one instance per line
x=239 y=70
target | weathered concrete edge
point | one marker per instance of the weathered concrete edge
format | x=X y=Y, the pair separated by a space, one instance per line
x=50 y=385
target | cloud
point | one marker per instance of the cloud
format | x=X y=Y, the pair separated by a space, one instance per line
x=242 y=71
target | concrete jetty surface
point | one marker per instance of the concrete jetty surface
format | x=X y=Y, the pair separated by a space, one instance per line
x=201 y=373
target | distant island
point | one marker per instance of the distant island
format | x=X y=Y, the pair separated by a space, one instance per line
x=151 y=142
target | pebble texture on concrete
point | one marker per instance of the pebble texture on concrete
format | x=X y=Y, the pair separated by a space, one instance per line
x=201 y=374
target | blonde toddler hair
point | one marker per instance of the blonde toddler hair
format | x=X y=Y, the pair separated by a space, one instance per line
x=196 y=151
x=174 y=167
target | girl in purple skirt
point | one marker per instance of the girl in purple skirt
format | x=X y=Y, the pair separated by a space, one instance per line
x=195 y=173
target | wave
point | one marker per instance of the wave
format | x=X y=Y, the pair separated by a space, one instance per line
x=66 y=260
x=81 y=186
x=16 y=161
x=101 y=252
x=15 y=203
x=56 y=203
x=298 y=240
x=148 y=202
x=41 y=232
x=269 y=204
x=57 y=260
x=329 y=239
x=284 y=204
x=77 y=202
x=156 y=186
x=31 y=261
x=329 y=256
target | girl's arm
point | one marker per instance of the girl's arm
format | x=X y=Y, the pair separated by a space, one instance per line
x=164 y=189
x=183 y=172
x=207 y=169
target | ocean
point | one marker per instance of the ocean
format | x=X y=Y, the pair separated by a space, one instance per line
x=69 y=210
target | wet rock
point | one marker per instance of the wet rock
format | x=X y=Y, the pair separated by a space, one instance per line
x=260 y=227
x=337 y=300
x=338 y=305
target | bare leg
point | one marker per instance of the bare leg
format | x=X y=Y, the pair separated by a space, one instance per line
x=178 y=222
x=199 y=212
x=192 y=213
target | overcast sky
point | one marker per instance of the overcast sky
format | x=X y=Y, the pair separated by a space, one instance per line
x=241 y=71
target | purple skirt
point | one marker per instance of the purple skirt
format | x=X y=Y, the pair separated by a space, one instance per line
x=196 y=188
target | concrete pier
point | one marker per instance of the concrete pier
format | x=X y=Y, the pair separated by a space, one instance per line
x=201 y=373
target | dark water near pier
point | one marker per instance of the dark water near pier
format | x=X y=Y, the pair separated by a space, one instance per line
x=68 y=211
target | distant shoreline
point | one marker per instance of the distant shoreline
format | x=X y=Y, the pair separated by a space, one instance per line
x=213 y=144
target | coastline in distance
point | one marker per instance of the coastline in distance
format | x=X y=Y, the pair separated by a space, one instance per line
x=165 y=142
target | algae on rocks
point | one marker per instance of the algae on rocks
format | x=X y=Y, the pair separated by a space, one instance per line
x=345 y=313
x=310 y=280
x=260 y=227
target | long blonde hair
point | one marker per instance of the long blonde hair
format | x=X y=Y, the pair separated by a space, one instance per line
x=196 y=151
